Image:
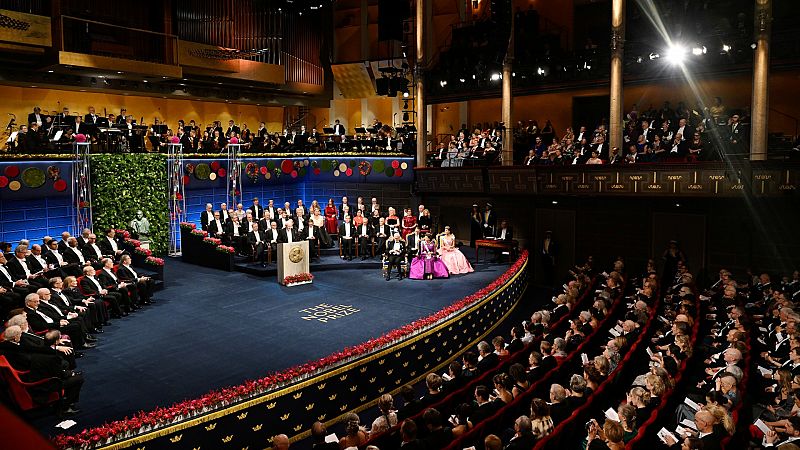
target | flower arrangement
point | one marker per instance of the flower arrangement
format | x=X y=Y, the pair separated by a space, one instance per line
x=142 y=251
x=154 y=261
x=123 y=234
x=226 y=249
x=188 y=226
x=298 y=278
x=160 y=417
x=211 y=240
x=133 y=242
x=197 y=232
x=364 y=168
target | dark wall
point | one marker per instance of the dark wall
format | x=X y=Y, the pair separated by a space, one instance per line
x=714 y=233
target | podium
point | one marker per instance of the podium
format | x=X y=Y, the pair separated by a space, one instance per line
x=292 y=260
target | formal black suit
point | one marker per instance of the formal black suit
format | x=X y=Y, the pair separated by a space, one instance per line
x=310 y=234
x=381 y=233
x=339 y=129
x=82 y=241
x=509 y=234
x=73 y=256
x=91 y=289
x=347 y=234
x=258 y=211
x=525 y=441
x=365 y=235
x=14 y=266
x=395 y=256
x=283 y=236
x=111 y=281
x=35 y=264
x=235 y=233
x=93 y=253
x=205 y=218
x=38 y=322
x=488 y=222
x=488 y=362
x=108 y=249
x=412 y=245
x=144 y=287
x=258 y=241
x=484 y=411
x=216 y=230
x=42 y=119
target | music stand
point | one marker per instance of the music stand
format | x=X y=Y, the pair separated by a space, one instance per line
x=327 y=130
x=361 y=130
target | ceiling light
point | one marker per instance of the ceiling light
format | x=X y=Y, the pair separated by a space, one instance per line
x=676 y=54
x=49 y=71
x=495 y=76
x=726 y=48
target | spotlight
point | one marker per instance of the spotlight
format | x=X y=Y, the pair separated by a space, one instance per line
x=753 y=45
x=555 y=202
x=540 y=71
x=676 y=54
x=494 y=77
x=654 y=56
x=405 y=94
x=697 y=51
x=462 y=80
x=473 y=77
x=639 y=59
x=443 y=83
x=726 y=48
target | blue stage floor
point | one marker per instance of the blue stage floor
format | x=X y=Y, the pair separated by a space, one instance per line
x=211 y=329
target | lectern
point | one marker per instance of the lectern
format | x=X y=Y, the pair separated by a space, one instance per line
x=293 y=263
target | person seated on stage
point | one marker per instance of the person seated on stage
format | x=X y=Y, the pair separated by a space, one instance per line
x=301 y=212
x=113 y=283
x=504 y=232
x=392 y=220
x=206 y=216
x=57 y=259
x=427 y=265
x=258 y=241
x=143 y=284
x=319 y=222
x=288 y=234
x=110 y=246
x=412 y=243
x=364 y=238
x=395 y=252
x=331 y=213
x=216 y=227
x=83 y=239
x=235 y=232
x=381 y=232
x=37 y=263
x=311 y=234
x=359 y=218
x=347 y=234
x=90 y=286
x=426 y=221
x=452 y=257
x=374 y=218
x=92 y=252
x=272 y=235
x=18 y=267
x=408 y=223
x=44 y=318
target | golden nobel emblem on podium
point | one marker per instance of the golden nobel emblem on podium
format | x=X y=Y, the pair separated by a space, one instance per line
x=293 y=264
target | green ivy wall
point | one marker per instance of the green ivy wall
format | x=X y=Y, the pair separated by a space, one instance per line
x=123 y=184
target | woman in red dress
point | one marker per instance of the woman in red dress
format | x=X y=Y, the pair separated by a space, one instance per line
x=331 y=224
x=409 y=222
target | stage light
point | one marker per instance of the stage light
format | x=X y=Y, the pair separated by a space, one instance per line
x=654 y=56
x=639 y=59
x=473 y=77
x=676 y=54
x=697 y=51
x=405 y=94
x=726 y=48
x=50 y=71
x=753 y=45
x=443 y=83
x=462 y=80
x=495 y=77
x=540 y=71
x=555 y=202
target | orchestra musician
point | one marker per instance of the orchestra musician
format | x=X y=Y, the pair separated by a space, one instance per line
x=36 y=116
x=232 y=128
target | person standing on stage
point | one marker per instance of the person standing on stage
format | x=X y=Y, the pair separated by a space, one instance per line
x=475 y=230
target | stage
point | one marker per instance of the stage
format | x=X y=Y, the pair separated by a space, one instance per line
x=210 y=329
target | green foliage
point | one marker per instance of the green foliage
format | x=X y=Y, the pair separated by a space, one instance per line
x=123 y=184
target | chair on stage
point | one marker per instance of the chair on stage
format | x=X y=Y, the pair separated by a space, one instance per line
x=20 y=391
x=253 y=254
x=404 y=265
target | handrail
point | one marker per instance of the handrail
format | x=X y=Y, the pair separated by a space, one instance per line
x=118 y=26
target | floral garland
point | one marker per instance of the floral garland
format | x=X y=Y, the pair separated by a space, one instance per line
x=123 y=233
x=142 y=251
x=133 y=242
x=252 y=171
x=154 y=261
x=211 y=240
x=226 y=249
x=188 y=226
x=199 y=232
x=364 y=168
x=160 y=417
x=297 y=278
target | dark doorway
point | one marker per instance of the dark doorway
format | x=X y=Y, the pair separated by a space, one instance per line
x=586 y=110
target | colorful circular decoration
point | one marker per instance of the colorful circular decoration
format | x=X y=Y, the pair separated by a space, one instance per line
x=364 y=168
x=352 y=163
x=4 y=181
x=287 y=166
x=293 y=174
x=314 y=164
x=212 y=176
x=80 y=137
x=404 y=165
x=326 y=165
x=215 y=166
x=389 y=172
x=398 y=172
x=234 y=140
x=268 y=175
x=222 y=172
x=14 y=185
x=59 y=185
x=317 y=171
x=263 y=170
x=175 y=140
x=348 y=172
x=395 y=164
x=33 y=177
x=342 y=167
x=186 y=179
x=190 y=168
x=251 y=170
x=336 y=173
x=53 y=172
x=306 y=162
x=271 y=165
x=379 y=165
x=12 y=171
x=302 y=172
x=202 y=171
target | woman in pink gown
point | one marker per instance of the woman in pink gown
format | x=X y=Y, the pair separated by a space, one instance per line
x=427 y=265
x=331 y=225
x=452 y=257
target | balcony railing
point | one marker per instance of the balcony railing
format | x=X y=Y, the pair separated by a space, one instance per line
x=102 y=39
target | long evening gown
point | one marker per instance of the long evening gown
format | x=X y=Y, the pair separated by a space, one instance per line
x=452 y=257
x=331 y=224
x=409 y=222
x=427 y=262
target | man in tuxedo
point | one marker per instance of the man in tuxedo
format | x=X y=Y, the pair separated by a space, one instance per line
x=364 y=233
x=90 y=286
x=189 y=142
x=288 y=234
x=224 y=214
x=601 y=147
x=113 y=283
x=381 y=233
x=81 y=127
x=338 y=128
x=206 y=216
x=523 y=436
x=504 y=232
x=41 y=319
x=57 y=259
x=37 y=117
x=58 y=313
x=12 y=290
x=488 y=358
x=683 y=129
x=36 y=344
x=485 y=408
x=488 y=221
x=123 y=114
x=110 y=246
x=412 y=243
x=257 y=209
x=311 y=234
x=33 y=139
x=249 y=220
x=92 y=252
x=234 y=231
x=91 y=117
x=347 y=234
x=737 y=136
x=38 y=263
x=395 y=251
x=258 y=241
x=232 y=128
x=83 y=239
x=143 y=284
x=94 y=313
x=17 y=265
x=216 y=227
x=270 y=210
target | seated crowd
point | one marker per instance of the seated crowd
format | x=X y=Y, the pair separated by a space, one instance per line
x=360 y=228
x=57 y=297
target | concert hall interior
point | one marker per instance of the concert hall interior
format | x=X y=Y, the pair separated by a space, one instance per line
x=386 y=224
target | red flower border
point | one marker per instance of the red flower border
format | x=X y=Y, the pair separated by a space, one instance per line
x=304 y=276
x=160 y=417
